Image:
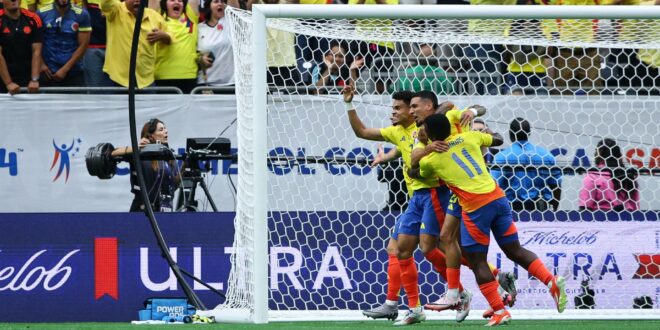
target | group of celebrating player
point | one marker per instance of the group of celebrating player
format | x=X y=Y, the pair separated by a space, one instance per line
x=451 y=188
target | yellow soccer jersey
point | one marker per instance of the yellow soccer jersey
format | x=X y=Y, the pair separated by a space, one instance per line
x=454 y=116
x=463 y=169
x=178 y=60
x=404 y=139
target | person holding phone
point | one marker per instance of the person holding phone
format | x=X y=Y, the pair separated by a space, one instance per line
x=216 y=59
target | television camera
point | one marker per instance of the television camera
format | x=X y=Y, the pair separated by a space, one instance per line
x=199 y=151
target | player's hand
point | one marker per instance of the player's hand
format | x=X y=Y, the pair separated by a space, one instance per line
x=466 y=117
x=13 y=88
x=357 y=64
x=33 y=87
x=348 y=93
x=438 y=146
x=157 y=35
x=46 y=71
x=60 y=75
x=380 y=156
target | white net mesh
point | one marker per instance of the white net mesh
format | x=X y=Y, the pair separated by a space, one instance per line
x=574 y=82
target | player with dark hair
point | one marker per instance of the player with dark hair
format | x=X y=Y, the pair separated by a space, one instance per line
x=401 y=135
x=485 y=208
x=455 y=297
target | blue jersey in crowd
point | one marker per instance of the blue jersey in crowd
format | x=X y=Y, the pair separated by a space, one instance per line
x=60 y=39
x=529 y=184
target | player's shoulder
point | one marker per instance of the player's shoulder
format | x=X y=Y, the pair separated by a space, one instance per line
x=33 y=17
x=49 y=8
x=78 y=10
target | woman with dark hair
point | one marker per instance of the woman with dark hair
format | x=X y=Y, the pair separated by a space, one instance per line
x=161 y=177
x=215 y=45
x=612 y=186
x=176 y=63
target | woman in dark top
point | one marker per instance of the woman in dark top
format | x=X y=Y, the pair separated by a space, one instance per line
x=161 y=177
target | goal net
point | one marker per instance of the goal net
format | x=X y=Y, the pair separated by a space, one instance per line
x=329 y=214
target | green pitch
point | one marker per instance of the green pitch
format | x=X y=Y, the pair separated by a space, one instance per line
x=357 y=325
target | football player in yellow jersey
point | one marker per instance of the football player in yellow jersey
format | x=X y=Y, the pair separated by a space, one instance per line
x=420 y=224
x=455 y=298
x=485 y=208
x=401 y=135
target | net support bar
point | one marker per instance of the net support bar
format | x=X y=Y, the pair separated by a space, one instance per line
x=449 y=11
x=259 y=151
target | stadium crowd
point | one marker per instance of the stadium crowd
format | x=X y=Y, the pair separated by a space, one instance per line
x=187 y=43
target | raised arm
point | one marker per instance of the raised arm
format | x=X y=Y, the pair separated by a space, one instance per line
x=194 y=5
x=358 y=127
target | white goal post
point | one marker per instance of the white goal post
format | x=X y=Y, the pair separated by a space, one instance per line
x=269 y=201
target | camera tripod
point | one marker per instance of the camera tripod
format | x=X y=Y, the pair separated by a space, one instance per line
x=186 y=196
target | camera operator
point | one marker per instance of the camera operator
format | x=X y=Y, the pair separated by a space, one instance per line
x=161 y=177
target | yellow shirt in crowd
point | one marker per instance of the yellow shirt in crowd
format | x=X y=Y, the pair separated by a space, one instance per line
x=178 y=60
x=120 y=23
x=486 y=27
x=367 y=24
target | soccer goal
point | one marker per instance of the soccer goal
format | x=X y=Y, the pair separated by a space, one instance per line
x=313 y=217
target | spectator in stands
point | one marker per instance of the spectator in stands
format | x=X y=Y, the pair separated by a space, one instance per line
x=120 y=22
x=20 y=48
x=67 y=30
x=486 y=63
x=334 y=72
x=523 y=172
x=309 y=49
x=36 y=5
x=426 y=75
x=215 y=45
x=176 y=63
x=281 y=53
x=376 y=54
x=527 y=65
x=576 y=70
x=638 y=68
x=611 y=187
x=95 y=55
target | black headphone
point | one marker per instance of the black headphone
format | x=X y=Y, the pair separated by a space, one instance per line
x=152 y=125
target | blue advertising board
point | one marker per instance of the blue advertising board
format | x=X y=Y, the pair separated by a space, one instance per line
x=77 y=267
